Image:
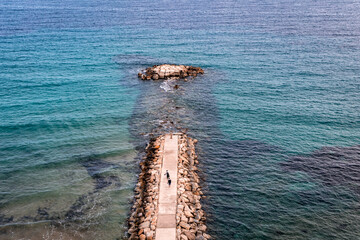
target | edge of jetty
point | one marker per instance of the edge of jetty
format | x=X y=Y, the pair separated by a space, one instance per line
x=189 y=222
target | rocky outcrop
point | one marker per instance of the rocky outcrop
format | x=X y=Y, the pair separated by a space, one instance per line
x=166 y=71
x=143 y=217
x=190 y=218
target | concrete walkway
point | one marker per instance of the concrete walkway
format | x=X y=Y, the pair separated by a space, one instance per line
x=166 y=223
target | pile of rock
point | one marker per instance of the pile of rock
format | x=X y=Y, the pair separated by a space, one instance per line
x=166 y=71
x=143 y=217
x=190 y=217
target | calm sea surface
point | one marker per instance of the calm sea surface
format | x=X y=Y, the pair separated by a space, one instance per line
x=277 y=113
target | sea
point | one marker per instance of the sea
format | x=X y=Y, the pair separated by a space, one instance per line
x=276 y=114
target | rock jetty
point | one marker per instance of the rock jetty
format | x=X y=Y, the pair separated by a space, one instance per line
x=143 y=217
x=190 y=218
x=166 y=71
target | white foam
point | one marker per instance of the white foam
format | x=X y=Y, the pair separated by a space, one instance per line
x=168 y=85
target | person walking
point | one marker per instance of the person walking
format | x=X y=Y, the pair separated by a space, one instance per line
x=167 y=174
x=169 y=181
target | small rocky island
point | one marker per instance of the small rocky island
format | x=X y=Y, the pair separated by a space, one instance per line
x=166 y=71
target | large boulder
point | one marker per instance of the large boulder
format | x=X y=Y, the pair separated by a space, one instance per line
x=165 y=71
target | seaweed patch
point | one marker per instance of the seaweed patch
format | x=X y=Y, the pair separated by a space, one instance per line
x=330 y=165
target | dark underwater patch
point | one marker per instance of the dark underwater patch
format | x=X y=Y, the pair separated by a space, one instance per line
x=247 y=148
x=105 y=181
x=5 y=220
x=330 y=165
x=75 y=211
x=95 y=168
x=94 y=165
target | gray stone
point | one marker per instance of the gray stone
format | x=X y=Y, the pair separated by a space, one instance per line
x=189 y=235
x=183 y=237
x=207 y=236
x=202 y=228
x=145 y=225
x=200 y=238
x=188 y=214
x=155 y=76
x=184 y=225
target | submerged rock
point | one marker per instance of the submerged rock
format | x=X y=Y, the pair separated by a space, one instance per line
x=166 y=71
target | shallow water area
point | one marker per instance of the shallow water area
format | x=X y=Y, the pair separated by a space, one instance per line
x=89 y=209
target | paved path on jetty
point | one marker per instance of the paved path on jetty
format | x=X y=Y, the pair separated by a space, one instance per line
x=166 y=223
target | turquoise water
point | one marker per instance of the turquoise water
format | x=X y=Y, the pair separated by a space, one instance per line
x=276 y=114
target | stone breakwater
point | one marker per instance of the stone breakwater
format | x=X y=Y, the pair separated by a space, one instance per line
x=166 y=71
x=190 y=218
x=143 y=217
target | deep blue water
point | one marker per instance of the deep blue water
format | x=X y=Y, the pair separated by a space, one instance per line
x=277 y=113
